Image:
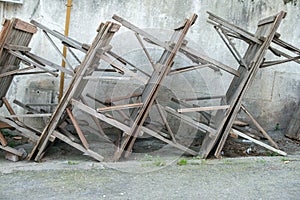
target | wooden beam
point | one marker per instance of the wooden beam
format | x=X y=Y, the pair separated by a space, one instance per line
x=3 y=140
x=20 y=56
x=24 y=26
x=15 y=72
x=76 y=86
x=4 y=125
x=190 y=121
x=114 y=99
x=94 y=78
x=255 y=56
x=23 y=131
x=202 y=98
x=17 y=47
x=48 y=63
x=126 y=128
x=145 y=50
x=183 y=49
x=119 y=107
x=78 y=130
x=259 y=126
x=28 y=115
x=259 y=143
x=12 y=150
x=206 y=108
x=89 y=152
x=164 y=118
x=188 y=68
x=71 y=42
x=272 y=63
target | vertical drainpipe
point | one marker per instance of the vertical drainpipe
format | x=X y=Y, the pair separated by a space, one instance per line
x=62 y=75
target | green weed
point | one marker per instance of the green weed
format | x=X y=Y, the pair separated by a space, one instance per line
x=182 y=162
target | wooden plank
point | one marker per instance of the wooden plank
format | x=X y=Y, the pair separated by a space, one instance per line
x=202 y=98
x=114 y=99
x=58 y=51
x=28 y=115
x=201 y=57
x=183 y=49
x=230 y=45
x=151 y=89
x=96 y=121
x=89 y=152
x=12 y=150
x=240 y=123
x=119 y=107
x=10 y=35
x=14 y=72
x=259 y=143
x=286 y=45
x=190 y=121
x=3 y=140
x=26 y=107
x=232 y=27
x=78 y=130
x=119 y=78
x=272 y=63
x=4 y=125
x=23 y=131
x=267 y=20
x=126 y=62
x=164 y=118
x=206 y=108
x=145 y=51
x=238 y=87
x=259 y=126
x=126 y=128
x=76 y=86
x=187 y=69
x=20 y=56
x=17 y=47
x=66 y=40
x=9 y=108
x=48 y=63
x=24 y=26
x=176 y=145
x=121 y=68
x=255 y=60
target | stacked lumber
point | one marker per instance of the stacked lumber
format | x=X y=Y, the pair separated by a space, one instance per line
x=217 y=121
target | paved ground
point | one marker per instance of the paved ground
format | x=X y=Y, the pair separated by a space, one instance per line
x=153 y=178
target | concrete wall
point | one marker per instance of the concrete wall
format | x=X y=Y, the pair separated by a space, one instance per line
x=274 y=94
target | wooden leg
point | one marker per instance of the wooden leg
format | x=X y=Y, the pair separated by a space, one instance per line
x=3 y=140
x=78 y=130
x=259 y=127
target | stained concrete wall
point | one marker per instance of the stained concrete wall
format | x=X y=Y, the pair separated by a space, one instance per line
x=275 y=92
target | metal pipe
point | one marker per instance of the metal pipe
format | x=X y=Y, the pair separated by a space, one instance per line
x=63 y=64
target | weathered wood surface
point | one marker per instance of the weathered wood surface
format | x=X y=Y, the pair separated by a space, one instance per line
x=198 y=57
x=254 y=58
x=204 y=108
x=3 y=140
x=259 y=126
x=88 y=152
x=77 y=84
x=259 y=143
x=12 y=150
x=151 y=90
x=126 y=128
x=14 y=33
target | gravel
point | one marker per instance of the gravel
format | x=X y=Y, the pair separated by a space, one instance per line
x=153 y=178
